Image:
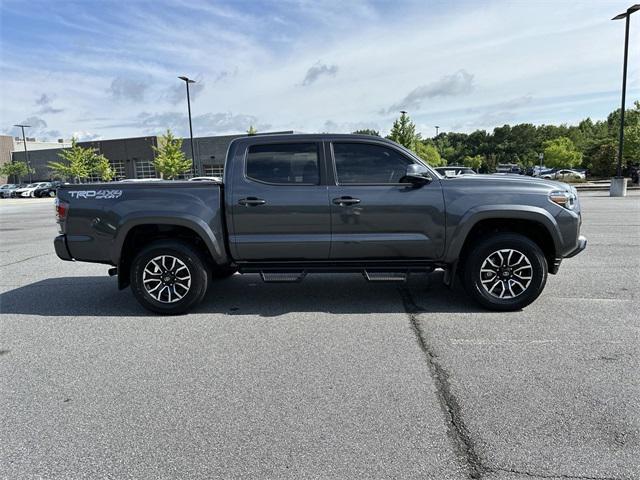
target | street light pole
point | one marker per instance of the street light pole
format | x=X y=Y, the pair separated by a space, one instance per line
x=26 y=153
x=541 y=158
x=187 y=81
x=618 y=186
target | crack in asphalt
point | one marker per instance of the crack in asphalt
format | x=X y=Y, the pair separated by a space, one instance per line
x=545 y=475
x=448 y=402
x=25 y=259
x=456 y=427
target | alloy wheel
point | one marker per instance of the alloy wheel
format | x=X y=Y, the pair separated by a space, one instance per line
x=166 y=278
x=506 y=274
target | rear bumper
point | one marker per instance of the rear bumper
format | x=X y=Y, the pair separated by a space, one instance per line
x=582 y=244
x=60 y=245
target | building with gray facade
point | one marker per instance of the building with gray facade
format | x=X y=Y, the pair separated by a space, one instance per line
x=133 y=157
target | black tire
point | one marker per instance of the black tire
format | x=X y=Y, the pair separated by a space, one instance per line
x=222 y=272
x=509 y=276
x=165 y=303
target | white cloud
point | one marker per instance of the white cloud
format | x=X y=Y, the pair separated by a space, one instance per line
x=445 y=67
x=84 y=136
x=458 y=83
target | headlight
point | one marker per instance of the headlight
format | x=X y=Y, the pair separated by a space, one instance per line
x=563 y=198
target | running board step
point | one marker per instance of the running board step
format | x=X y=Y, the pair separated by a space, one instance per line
x=282 y=277
x=385 y=276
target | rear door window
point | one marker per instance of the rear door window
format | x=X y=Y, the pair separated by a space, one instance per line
x=284 y=163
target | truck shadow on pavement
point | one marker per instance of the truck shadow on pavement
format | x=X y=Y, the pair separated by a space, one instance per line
x=244 y=295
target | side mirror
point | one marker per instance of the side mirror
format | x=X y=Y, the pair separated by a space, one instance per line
x=417 y=174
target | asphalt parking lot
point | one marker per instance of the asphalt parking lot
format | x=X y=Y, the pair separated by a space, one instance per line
x=329 y=378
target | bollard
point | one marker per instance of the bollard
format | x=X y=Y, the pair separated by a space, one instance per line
x=618 y=187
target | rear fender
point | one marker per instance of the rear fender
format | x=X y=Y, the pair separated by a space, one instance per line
x=213 y=240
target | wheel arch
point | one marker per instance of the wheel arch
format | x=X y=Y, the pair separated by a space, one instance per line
x=535 y=223
x=137 y=233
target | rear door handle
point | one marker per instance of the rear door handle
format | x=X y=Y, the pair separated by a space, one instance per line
x=251 y=202
x=345 y=201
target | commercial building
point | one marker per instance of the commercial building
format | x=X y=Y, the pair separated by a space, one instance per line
x=133 y=157
x=9 y=144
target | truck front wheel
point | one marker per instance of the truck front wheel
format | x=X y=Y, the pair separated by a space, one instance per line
x=506 y=271
x=169 y=277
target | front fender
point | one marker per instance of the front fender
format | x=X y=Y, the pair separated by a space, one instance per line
x=460 y=230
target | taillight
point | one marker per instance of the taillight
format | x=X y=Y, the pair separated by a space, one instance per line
x=62 y=208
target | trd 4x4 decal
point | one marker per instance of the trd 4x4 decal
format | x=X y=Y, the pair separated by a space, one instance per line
x=97 y=194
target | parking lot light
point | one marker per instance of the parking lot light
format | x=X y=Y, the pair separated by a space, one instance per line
x=26 y=154
x=618 y=185
x=187 y=81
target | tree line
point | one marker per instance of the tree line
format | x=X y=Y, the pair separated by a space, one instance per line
x=589 y=144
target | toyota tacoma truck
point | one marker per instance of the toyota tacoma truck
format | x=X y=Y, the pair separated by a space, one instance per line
x=290 y=205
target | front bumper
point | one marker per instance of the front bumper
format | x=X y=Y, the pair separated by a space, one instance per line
x=582 y=244
x=60 y=245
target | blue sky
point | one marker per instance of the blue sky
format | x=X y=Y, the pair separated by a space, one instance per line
x=107 y=69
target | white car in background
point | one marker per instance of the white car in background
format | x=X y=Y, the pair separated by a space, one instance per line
x=29 y=189
x=206 y=179
x=565 y=174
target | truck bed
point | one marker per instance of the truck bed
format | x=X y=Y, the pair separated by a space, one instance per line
x=101 y=216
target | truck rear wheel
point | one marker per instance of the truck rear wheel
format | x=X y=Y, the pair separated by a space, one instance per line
x=506 y=271
x=169 y=277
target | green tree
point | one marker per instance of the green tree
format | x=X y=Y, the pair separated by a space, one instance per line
x=404 y=132
x=79 y=163
x=170 y=160
x=474 y=162
x=14 y=169
x=631 y=148
x=603 y=160
x=367 y=131
x=429 y=153
x=252 y=130
x=99 y=165
x=561 y=153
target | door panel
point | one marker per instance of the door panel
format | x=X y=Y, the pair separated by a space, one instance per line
x=279 y=210
x=389 y=222
x=375 y=220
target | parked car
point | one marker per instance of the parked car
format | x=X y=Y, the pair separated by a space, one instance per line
x=568 y=174
x=9 y=191
x=205 y=179
x=140 y=180
x=5 y=190
x=29 y=189
x=564 y=174
x=47 y=191
x=18 y=191
x=291 y=205
x=454 y=171
x=509 y=168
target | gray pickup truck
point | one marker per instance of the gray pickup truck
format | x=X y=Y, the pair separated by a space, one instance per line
x=295 y=204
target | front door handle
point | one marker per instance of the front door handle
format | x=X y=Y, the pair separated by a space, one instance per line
x=251 y=201
x=346 y=201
